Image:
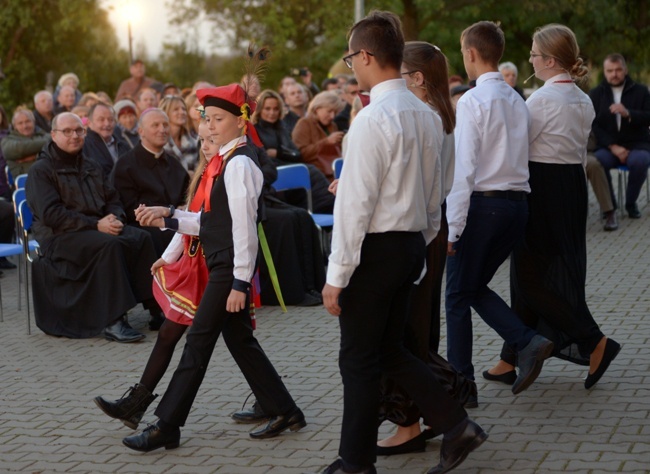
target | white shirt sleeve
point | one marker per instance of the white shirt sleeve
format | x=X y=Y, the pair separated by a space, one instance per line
x=243 y=181
x=174 y=250
x=367 y=159
x=188 y=222
x=468 y=145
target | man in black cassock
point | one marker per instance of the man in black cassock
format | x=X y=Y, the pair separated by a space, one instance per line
x=149 y=175
x=92 y=268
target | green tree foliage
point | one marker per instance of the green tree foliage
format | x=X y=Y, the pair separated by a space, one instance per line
x=300 y=33
x=55 y=37
x=312 y=32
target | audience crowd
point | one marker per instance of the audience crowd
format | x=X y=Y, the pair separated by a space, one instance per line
x=93 y=159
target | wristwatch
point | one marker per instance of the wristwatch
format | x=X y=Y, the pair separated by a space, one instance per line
x=172 y=209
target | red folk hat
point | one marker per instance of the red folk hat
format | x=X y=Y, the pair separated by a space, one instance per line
x=233 y=99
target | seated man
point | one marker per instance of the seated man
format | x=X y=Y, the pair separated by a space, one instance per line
x=23 y=143
x=92 y=267
x=621 y=127
x=103 y=143
x=149 y=175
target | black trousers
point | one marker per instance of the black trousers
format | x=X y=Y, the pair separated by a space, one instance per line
x=210 y=321
x=374 y=307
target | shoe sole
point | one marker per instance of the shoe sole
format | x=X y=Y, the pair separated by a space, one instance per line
x=249 y=422
x=172 y=445
x=541 y=356
x=295 y=427
x=128 y=424
x=476 y=442
x=123 y=341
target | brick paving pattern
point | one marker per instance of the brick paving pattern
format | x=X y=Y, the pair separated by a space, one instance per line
x=48 y=422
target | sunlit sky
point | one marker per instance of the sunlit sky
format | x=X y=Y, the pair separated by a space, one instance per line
x=149 y=24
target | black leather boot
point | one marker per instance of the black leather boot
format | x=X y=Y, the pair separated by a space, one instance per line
x=130 y=408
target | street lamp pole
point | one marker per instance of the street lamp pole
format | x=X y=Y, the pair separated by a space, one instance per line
x=359 y=10
x=130 y=43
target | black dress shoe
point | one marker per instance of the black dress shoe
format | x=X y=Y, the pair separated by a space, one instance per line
x=530 y=360
x=413 y=445
x=472 y=402
x=254 y=415
x=610 y=221
x=633 y=211
x=6 y=264
x=338 y=467
x=612 y=348
x=455 y=450
x=293 y=421
x=507 y=377
x=120 y=332
x=153 y=438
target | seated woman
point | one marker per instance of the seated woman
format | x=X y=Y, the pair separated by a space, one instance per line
x=182 y=144
x=317 y=136
x=282 y=151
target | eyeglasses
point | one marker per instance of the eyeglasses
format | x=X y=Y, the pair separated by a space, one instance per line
x=348 y=59
x=534 y=54
x=80 y=132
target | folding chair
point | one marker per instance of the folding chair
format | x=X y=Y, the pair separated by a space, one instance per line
x=297 y=176
x=337 y=166
x=622 y=186
x=7 y=250
x=20 y=181
x=10 y=178
x=28 y=246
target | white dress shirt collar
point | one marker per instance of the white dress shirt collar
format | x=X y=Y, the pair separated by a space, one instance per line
x=563 y=76
x=224 y=149
x=385 y=86
x=489 y=76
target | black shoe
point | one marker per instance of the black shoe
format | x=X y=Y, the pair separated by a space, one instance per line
x=120 y=332
x=6 y=264
x=507 y=378
x=455 y=450
x=293 y=421
x=316 y=294
x=530 y=360
x=413 y=445
x=611 y=223
x=337 y=467
x=633 y=211
x=155 y=321
x=472 y=402
x=130 y=408
x=612 y=348
x=153 y=438
x=310 y=300
x=254 y=415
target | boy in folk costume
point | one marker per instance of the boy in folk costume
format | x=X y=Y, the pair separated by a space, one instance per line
x=228 y=232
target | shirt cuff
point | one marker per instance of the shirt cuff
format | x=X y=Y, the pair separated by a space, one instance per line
x=339 y=276
x=170 y=223
x=241 y=285
x=454 y=234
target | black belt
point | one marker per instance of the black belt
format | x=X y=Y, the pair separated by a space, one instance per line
x=510 y=195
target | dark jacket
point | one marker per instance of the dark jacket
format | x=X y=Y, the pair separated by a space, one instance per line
x=141 y=178
x=276 y=136
x=95 y=148
x=68 y=193
x=634 y=133
x=42 y=123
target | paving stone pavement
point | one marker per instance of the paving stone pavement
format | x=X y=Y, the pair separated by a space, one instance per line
x=48 y=422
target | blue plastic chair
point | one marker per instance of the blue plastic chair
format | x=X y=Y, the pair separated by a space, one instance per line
x=10 y=178
x=7 y=250
x=337 y=166
x=28 y=246
x=20 y=181
x=297 y=176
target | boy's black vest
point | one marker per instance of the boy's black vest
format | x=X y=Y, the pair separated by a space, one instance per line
x=216 y=226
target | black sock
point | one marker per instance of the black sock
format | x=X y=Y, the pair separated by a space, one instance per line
x=166 y=427
x=457 y=430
